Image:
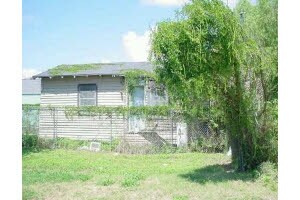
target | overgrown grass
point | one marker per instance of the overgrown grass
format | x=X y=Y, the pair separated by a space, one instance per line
x=33 y=143
x=71 y=174
x=267 y=173
x=106 y=181
x=29 y=194
x=132 y=179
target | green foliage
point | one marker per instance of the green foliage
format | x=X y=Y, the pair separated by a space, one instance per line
x=29 y=141
x=267 y=173
x=136 y=76
x=30 y=118
x=29 y=107
x=132 y=179
x=179 y=175
x=110 y=145
x=216 y=143
x=65 y=143
x=46 y=176
x=29 y=194
x=106 y=181
x=141 y=111
x=61 y=69
x=32 y=142
x=211 y=54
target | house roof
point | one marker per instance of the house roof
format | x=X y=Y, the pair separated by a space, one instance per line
x=30 y=86
x=95 y=69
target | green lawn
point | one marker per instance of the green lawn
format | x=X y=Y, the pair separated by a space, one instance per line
x=66 y=174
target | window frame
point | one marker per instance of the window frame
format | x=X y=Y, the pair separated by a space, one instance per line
x=78 y=93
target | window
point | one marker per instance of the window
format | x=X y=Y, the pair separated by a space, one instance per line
x=87 y=95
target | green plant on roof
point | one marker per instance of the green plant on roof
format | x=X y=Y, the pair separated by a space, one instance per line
x=61 y=69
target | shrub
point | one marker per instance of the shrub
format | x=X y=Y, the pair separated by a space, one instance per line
x=110 y=146
x=34 y=142
x=209 y=144
x=131 y=180
x=29 y=141
x=45 y=143
x=66 y=143
x=267 y=173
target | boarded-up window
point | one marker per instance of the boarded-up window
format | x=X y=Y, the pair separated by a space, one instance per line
x=87 y=95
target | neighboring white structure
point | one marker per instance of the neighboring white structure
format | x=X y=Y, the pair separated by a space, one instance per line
x=31 y=91
x=105 y=86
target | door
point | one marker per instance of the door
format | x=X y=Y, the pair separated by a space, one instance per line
x=137 y=98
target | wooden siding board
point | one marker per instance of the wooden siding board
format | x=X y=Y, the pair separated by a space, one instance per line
x=111 y=92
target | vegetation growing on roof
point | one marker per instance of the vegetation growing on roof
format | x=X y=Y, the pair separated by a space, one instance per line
x=61 y=69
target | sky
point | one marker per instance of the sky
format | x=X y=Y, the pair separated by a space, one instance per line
x=58 y=32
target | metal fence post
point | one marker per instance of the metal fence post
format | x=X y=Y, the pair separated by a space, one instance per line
x=172 y=127
x=53 y=112
x=111 y=132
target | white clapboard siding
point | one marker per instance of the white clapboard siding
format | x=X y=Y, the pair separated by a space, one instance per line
x=84 y=127
x=110 y=92
x=64 y=91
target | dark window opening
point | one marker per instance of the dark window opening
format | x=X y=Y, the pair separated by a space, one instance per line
x=87 y=95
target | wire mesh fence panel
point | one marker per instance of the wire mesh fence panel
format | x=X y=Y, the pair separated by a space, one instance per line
x=30 y=121
x=115 y=132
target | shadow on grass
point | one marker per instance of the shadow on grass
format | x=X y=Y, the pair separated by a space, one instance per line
x=216 y=173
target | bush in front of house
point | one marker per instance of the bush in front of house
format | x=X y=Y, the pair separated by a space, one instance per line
x=211 y=144
x=66 y=143
x=29 y=141
x=216 y=143
x=34 y=142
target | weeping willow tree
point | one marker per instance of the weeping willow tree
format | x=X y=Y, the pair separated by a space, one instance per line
x=206 y=53
x=261 y=25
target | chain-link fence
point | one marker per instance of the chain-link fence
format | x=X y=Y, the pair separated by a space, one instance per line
x=117 y=132
x=30 y=120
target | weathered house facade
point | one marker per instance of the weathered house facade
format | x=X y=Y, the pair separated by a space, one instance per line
x=103 y=85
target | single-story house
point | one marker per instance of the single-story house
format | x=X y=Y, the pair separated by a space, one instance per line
x=103 y=84
x=31 y=91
